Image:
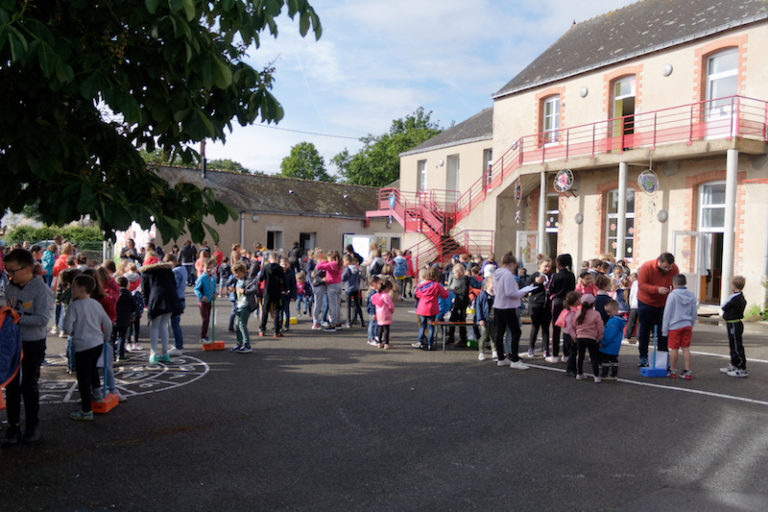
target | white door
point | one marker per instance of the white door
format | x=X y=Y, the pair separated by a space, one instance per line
x=527 y=242
x=686 y=246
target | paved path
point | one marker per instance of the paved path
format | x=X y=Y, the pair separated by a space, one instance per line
x=317 y=421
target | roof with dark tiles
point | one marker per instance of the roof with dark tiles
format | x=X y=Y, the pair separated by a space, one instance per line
x=477 y=127
x=276 y=194
x=637 y=29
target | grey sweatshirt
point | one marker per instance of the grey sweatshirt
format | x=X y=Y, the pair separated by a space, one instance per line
x=88 y=324
x=680 y=310
x=34 y=302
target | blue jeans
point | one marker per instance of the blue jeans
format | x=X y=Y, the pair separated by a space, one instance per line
x=426 y=324
x=109 y=371
x=306 y=301
x=178 y=337
x=372 y=327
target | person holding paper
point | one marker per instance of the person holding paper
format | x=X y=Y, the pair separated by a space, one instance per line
x=505 y=306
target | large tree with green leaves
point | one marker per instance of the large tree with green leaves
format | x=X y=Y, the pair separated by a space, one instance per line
x=306 y=163
x=85 y=83
x=378 y=161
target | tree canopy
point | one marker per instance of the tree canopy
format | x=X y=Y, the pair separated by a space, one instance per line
x=306 y=163
x=84 y=84
x=378 y=161
x=225 y=164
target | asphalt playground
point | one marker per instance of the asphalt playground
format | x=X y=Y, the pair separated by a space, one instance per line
x=319 y=421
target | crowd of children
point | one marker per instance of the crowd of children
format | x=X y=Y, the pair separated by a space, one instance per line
x=99 y=308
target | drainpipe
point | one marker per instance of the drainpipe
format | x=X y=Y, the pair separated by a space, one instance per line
x=242 y=229
x=621 y=221
x=542 y=213
x=731 y=170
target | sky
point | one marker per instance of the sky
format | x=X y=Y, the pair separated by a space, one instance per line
x=380 y=60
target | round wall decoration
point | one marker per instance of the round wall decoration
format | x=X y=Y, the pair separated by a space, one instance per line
x=648 y=181
x=563 y=180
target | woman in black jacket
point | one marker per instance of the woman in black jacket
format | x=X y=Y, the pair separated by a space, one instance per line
x=562 y=282
x=158 y=287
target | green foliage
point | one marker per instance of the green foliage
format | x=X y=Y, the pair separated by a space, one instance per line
x=228 y=165
x=378 y=161
x=84 y=84
x=72 y=233
x=306 y=163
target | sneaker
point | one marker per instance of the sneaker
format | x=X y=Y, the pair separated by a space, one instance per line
x=137 y=347
x=238 y=348
x=738 y=373
x=347 y=326
x=563 y=359
x=494 y=355
x=175 y=352
x=246 y=349
x=12 y=436
x=643 y=362
x=530 y=352
x=386 y=346
x=547 y=355
x=597 y=380
x=552 y=359
x=62 y=334
x=120 y=397
x=96 y=395
x=727 y=369
x=481 y=356
x=31 y=433
x=261 y=334
x=504 y=362
x=329 y=329
x=687 y=375
x=373 y=343
x=278 y=335
x=581 y=376
x=165 y=358
x=518 y=365
x=415 y=344
x=672 y=374
x=315 y=327
x=152 y=358
x=205 y=341
x=81 y=416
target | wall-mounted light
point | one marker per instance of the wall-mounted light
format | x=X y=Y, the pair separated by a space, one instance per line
x=583 y=92
x=255 y=218
x=579 y=218
x=662 y=216
x=667 y=69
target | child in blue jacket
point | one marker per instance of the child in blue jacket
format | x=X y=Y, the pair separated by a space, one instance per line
x=610 y=343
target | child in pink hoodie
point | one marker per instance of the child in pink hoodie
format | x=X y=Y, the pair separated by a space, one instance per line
x=589 y=328
x=427 y=307
x=385 y=306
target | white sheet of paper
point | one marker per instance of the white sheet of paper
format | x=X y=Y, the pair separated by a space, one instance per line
x=661 y=360
x=526 y=289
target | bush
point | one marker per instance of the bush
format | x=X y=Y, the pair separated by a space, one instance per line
x=753 y=313
x=75 y=234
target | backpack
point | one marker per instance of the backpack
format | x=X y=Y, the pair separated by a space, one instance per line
x=138 y=298
x=401 y=267
x=376 y=267
x=10 y=345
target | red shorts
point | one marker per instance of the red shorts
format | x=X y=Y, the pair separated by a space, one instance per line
x=679 y=338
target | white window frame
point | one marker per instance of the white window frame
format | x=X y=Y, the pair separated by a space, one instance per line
x=550 y=120
x=629 y=238
x=421 y=175
x=702 y=207
x=712 y=78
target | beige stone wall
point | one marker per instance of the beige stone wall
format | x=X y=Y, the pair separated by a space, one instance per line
x=329 y=231
x=471 y=166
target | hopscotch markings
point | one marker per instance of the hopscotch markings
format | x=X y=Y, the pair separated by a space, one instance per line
x=132 y=378
x=670 y=388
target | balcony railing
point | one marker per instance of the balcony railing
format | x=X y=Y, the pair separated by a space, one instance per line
x=722 y=118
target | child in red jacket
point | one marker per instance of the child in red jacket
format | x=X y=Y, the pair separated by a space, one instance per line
x=427 y=307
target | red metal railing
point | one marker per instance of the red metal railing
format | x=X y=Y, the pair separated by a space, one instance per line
x=722 y=118
x=471 y=241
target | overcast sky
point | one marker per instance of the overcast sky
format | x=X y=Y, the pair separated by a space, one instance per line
x=380 y=60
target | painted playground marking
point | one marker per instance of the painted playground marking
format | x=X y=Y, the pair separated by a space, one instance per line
x=676 y=388
x=133 y=377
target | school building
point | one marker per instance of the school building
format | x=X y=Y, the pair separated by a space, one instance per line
x=278 y=211
x=639 y=131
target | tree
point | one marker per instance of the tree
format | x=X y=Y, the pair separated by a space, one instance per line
x=227 y=165
x=305 y=162
x=83 y=84
x=378 y=161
